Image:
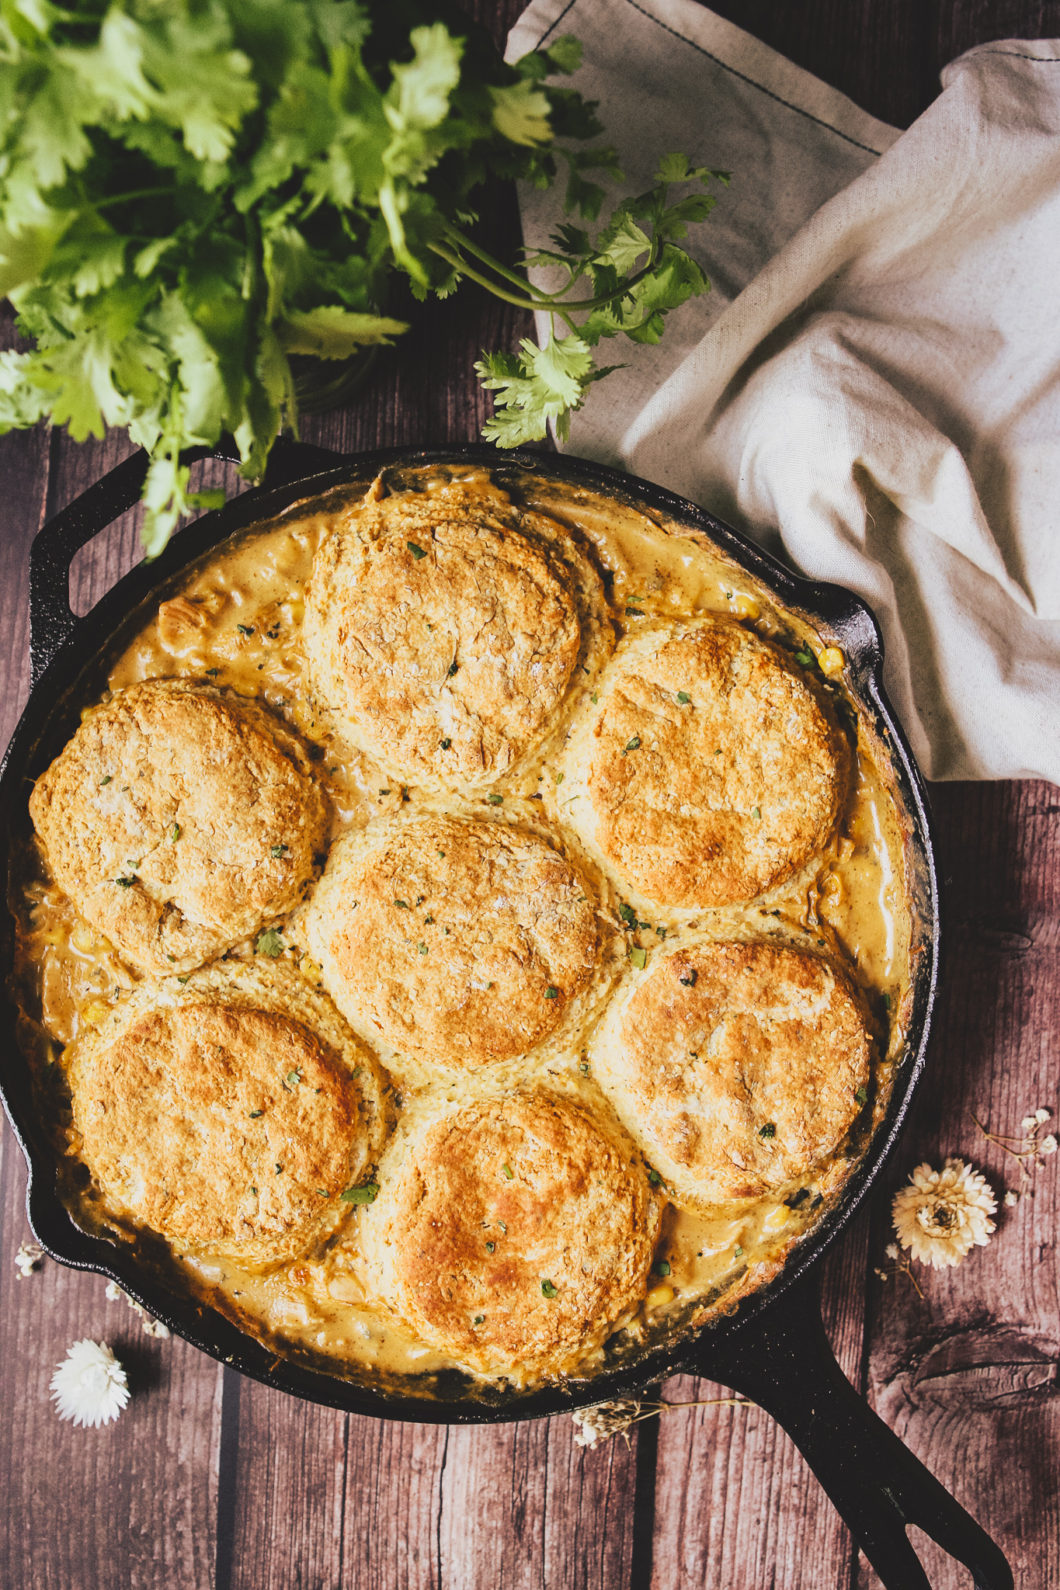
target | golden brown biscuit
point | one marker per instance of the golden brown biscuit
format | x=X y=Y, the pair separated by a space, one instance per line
x=443 y=628
x=736 y=1067
x=712 y=768
x=456 y=940
x=230 y=1113
x=179 y=820
x=512 y=1232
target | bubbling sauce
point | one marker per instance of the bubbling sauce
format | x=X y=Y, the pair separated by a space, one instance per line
x=235 y=623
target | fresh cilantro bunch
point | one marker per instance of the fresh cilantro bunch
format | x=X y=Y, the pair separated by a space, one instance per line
x=192 y=193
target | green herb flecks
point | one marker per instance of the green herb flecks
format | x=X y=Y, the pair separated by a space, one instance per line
x=174 y=833
x=638 y=957
x=366 y=1193
x=756 y=813
x=653 y=1176
x=255 y=1114
x=276 y=851
x=402 y=905
x=683 y=697
x=293 y=1077
x=495 y=800
x=768 y=1130
x=245 y=629
x=507 y=1172
x=446 y=744
x=862 y=1095
x=689 y=977
x=417 y=551
x=628 y=915
x=125 y=883
x=108 y=778
x=547 y=1289
x=269 y=943
x=805 y=658
x=551 y=992
x=663 y=1267
x=631 y=745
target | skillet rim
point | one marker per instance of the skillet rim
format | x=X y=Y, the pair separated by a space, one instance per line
x=111 y=621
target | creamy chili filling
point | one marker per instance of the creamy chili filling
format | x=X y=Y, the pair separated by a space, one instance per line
x=236 y=623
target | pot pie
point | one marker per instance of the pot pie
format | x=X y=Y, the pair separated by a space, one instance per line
x=455 y=940
x=512 y=879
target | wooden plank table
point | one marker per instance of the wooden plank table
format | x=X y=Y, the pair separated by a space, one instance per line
x=209 y=1479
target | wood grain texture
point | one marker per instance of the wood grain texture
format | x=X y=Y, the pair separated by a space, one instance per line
x=208 y=1479
x=967 y=1375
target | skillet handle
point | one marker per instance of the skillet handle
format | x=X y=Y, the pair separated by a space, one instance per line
x=51 y=620
x=781 y=1358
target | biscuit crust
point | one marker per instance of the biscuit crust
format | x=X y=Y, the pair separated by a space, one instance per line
x=443 y=628
x=456 y=940
x=736 y=1066
x=228 y=1114
x=513 y=1232
x=713 y=769
x=179 y=820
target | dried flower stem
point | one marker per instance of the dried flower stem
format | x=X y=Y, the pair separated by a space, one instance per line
x=606 y=1419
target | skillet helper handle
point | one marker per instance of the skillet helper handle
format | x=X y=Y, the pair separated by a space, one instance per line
x=782 y=1360
x=51 y=620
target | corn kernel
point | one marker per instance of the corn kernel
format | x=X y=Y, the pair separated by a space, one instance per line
x=832 y=888
x=95 y=1012
x=776 y=1218
x=310 y=969
x=659 y=1296
x=53 y=935
x=831 y=661
x=744 y=607
x=82 y=938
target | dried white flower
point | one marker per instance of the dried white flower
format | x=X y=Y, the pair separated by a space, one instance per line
x=945 y=1213
x=152 y=1326
x=1011 y=1199
x=90 y=1386
x=1029 y=1148
x=28 y=1258
x=593 y=1425
x=891 y=1250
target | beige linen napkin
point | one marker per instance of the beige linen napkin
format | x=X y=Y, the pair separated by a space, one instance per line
x=873 y=387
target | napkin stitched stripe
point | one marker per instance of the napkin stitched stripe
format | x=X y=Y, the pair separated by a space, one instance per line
x=1017 y=55
x=554 y=24
x=745 y=79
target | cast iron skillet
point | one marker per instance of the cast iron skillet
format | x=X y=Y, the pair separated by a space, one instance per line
x=773 y=1349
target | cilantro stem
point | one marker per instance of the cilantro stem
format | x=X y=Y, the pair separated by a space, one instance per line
x=133 y=194
x=534 y=298
x=462 y=242
x=453 y=258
